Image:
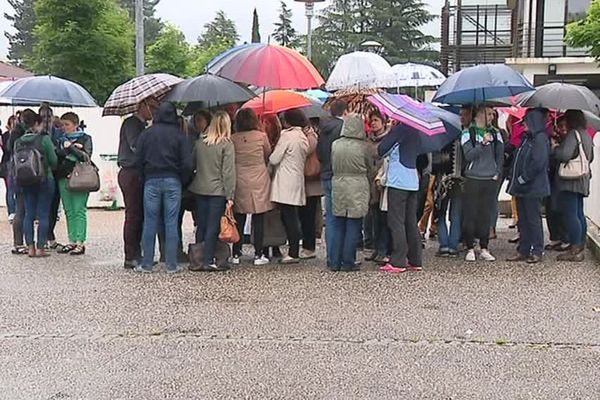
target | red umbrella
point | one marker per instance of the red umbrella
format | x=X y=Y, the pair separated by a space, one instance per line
x=265 y=65
x=276 y=101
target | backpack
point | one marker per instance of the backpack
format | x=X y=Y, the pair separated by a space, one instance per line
x=28 y=162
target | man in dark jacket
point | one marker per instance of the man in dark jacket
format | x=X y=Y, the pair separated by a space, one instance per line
x=130 y=181
x=529 y=183
x=330 y=131
x=164 y=159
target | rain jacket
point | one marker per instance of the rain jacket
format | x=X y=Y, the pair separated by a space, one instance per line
x=483 y=162
x=329 y=132
x=163 y=150
x=288 y=159
x=530 y=169
x=403 y=147
x=352 y=164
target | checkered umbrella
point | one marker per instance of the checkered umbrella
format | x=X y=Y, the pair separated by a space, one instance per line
x=125 y=99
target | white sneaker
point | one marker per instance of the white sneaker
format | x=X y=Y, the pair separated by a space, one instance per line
x=11 y=218
x=307 y=254
x=262 y=260
x=471 y=256
x=486 y=255
x=235 y=260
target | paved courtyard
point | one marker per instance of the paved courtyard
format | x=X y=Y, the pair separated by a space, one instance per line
x=84 y=328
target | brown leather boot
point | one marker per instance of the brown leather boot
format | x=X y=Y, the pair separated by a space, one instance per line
x=575 y=254
x=31 y=251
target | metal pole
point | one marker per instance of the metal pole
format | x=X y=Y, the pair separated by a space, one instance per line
x=309 y=14
x=139 y=37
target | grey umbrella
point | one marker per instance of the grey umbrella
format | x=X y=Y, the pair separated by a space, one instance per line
x=46 y=89
x=210 y=91
x=563 y=96
x=315 y=110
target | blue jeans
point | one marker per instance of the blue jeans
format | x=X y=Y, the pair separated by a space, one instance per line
x=345 y=235
x=11 y=198
x=449 y=240
x=329 y=218
x=210 y=209
x=38 y=199
x=162 y=200
x=574 y=217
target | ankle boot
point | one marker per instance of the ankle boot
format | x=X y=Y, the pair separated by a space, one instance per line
x=576 y=254
x=31 y=251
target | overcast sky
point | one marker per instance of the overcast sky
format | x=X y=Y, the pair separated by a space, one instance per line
x=191 y=15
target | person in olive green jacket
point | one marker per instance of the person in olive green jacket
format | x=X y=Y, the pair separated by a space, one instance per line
x=213 y=184
x=38 y=193
x=352 y=164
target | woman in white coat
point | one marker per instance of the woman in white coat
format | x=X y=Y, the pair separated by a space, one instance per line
x=288 y=159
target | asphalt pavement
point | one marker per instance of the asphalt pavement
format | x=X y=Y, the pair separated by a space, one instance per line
x=85 y=328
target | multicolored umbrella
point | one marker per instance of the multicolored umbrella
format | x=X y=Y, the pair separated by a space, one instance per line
x=277 y=101
x=46 y=89
x=425 y=118
x=266 y=65
x=126 y=98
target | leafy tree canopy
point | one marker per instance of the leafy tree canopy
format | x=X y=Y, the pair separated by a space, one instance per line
x=169 y=53
x=284 y=33
x=586 y=33
x=23 y=21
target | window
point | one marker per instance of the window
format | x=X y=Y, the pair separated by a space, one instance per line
x=577 y=9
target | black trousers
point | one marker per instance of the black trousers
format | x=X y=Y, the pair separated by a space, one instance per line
x=54 y=206
x=308 y=223
x=530 y=226
x=258 y=231
x=289 y=217
x=555 y=221
x=402 y=220
x=478 y=205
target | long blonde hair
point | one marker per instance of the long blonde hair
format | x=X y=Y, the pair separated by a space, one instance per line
x=219 y=130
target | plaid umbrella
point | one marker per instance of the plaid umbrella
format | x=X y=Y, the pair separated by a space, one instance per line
x=125 y=99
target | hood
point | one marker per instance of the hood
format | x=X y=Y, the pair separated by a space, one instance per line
x=29 y=136
x=166 y=114
x=536 y=121
x=354 y=128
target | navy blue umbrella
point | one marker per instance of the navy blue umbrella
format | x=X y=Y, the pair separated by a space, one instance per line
x=477 y=85
x=47 y=89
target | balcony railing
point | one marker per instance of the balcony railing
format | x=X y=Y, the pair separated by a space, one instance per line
x=549 y=41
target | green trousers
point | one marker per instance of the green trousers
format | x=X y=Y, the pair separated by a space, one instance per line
x=75 y=205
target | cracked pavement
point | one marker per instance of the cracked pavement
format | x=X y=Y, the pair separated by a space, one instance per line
x=84 y=328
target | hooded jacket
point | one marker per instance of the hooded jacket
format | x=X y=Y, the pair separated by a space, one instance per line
x=352 y=164
x=402 y=145
x=530 y=166
x=483 y=162
x=329 y=132
x=163 y=150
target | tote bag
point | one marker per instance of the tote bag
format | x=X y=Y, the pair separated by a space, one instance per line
x=578 y=167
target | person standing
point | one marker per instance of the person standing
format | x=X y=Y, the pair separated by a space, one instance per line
x=577 y=144
x=5 y=164
x=30 y=150
x=131 y=182
x=352 y=165
x=214 y=185
x=328 y=133
x=253 y=183
x=74 y=146
x=164 y=160
x=483 y=150
x=529 y=183
x=17 y=224
x=287 y=190
x=401 y=145
x=314 y=192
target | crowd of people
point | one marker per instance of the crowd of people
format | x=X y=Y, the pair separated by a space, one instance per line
x=377 y=192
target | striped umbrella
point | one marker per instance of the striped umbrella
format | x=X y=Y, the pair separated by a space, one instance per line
x=126 y=98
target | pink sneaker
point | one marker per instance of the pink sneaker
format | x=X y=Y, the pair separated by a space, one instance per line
x=391 y=269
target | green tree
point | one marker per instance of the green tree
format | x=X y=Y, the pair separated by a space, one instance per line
x=220 y=30
x=87 y=41
x=586 y=33
x=169 y=53
x=200 y=56
x=284 y=33
x=255 y=28
x=23 y=21
x=152 y=24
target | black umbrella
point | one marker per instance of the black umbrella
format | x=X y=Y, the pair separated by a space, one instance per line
x=563 y=96
x=209 y=91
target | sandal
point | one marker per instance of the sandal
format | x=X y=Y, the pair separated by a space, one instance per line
x=67 y=249
x=20 y=251
x=78 y=251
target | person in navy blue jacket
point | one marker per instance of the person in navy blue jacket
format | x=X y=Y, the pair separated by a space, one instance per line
x=530 y=184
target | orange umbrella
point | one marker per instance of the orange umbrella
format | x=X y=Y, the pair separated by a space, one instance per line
x=276 y=101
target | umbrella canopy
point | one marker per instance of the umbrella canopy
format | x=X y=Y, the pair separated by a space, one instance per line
x=46 y=89
x=318 y=94
x=277 y=101
x=425 y=118
x=210 y=90
x=563 y=96
x=416 y=75
x=477 y=85
x=266 y=65
x=125 y=99
x=315 y=110
x=360 y=70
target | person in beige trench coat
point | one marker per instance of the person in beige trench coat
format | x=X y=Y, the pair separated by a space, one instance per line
x=287 y=190
x=253 y=186
x=314 y=192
